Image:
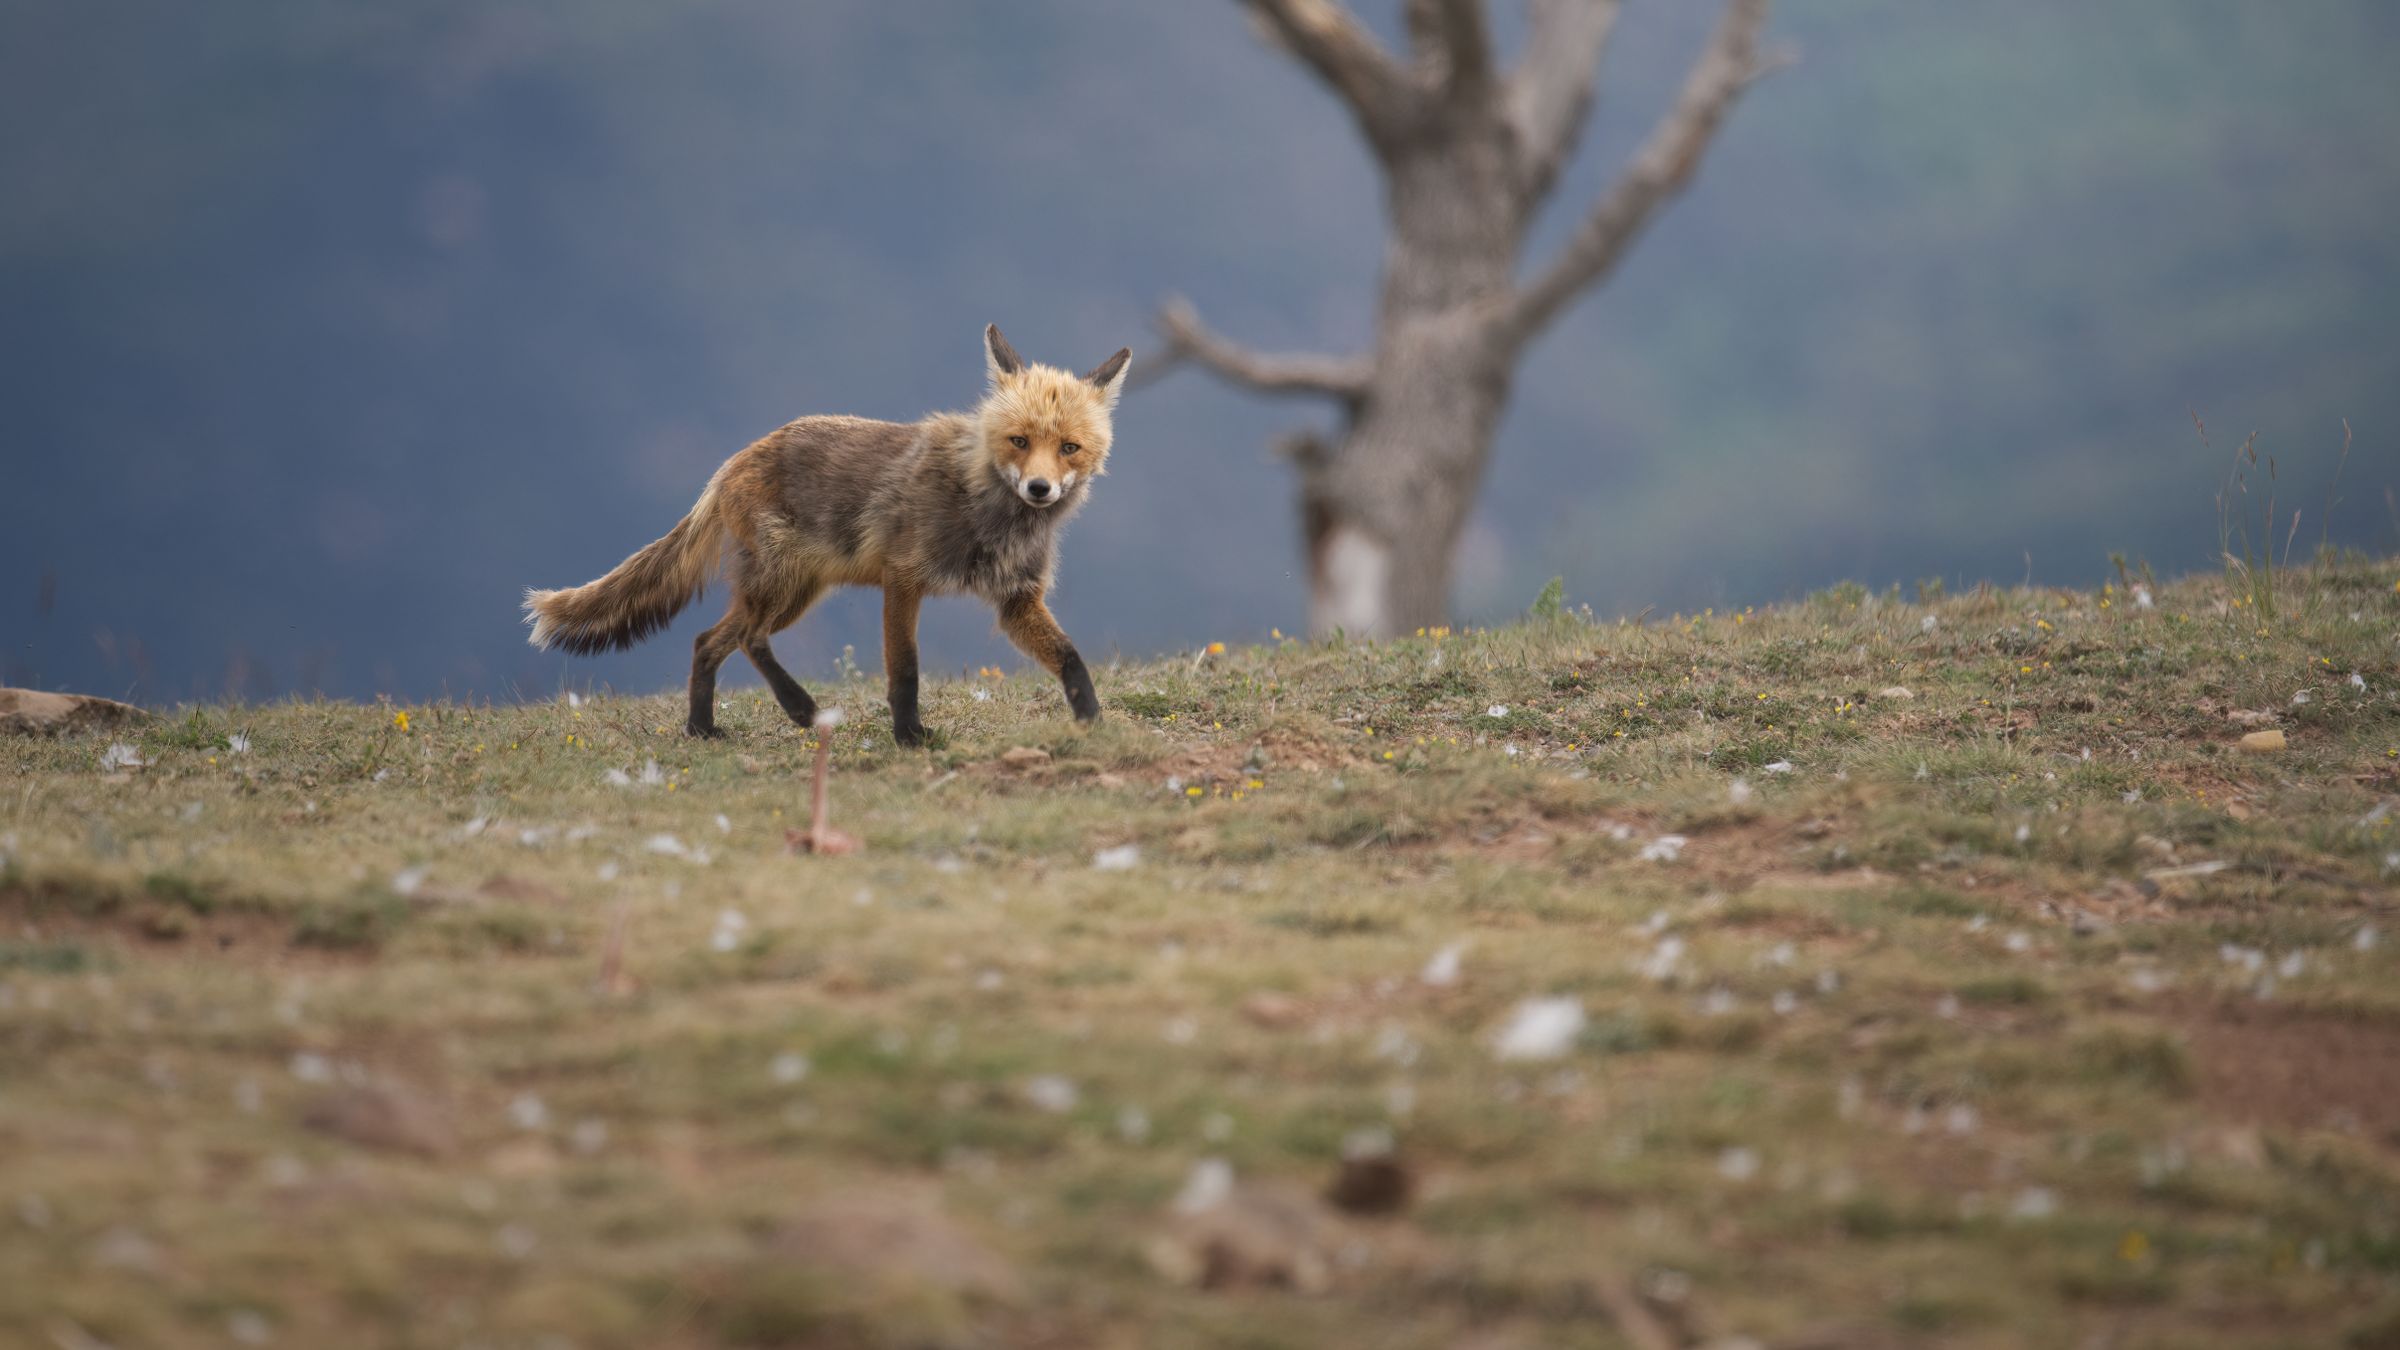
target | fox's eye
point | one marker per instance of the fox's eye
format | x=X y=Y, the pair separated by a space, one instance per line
x=1020 y=442
x=1068 y=447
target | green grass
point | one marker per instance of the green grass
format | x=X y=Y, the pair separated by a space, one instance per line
x=1938 y=1034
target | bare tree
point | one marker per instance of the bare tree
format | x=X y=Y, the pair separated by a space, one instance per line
x=1469 y=153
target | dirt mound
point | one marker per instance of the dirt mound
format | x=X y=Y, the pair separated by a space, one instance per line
x=30 y=712
x=2299 y=1070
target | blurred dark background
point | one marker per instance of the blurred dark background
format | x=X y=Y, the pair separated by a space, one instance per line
x=329 y=327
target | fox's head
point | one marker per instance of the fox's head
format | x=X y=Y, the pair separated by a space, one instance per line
x=1045 y=431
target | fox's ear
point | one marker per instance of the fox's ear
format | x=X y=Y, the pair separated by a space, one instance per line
x=999 y=358
x=1109 y=376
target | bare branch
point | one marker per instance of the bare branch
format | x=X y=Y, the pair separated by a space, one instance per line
x=1662 y=168
x=1454 y=36
x=1549 y=93
x=1331 y=41
x=1188 y=339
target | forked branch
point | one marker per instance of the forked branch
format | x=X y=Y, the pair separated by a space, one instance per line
x=1189 y=339
x=1659 y=170
x=1454 y=36
x=1329 y=40
x=1549 y=94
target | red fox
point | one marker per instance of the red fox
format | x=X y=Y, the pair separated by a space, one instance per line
x=957 y=502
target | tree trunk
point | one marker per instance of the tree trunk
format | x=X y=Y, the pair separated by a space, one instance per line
x=1383 y=510
x=1469 y=151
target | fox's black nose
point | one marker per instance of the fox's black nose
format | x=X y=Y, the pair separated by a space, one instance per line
x=1038 y=489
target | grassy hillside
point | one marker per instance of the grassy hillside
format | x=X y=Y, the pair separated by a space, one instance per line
x=1918 y=972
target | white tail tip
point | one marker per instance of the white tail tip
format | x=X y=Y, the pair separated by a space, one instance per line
x=545 y=629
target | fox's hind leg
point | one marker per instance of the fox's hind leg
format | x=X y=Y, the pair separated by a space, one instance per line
x=709 y=651
x=797 y=705
x=1028 y=622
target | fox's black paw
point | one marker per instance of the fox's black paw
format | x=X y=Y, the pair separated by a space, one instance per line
x=1082 y=699
x=698 y=732
x=911 y=735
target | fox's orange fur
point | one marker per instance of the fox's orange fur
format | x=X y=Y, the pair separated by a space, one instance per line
x=958 y=502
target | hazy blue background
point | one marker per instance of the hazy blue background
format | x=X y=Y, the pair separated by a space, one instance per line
x=326 y=327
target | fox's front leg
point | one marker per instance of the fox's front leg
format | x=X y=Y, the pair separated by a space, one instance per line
x=1028 y=623
x=900 y=602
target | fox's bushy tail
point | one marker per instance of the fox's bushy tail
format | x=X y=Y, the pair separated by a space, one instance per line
x=640 y=595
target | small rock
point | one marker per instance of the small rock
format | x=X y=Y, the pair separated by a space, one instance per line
x=1899 y=692
x=1665 y=848
x=1442 y=971
x=521 y=1158
x=1052 y=1092
x=2263 y=742
x=1371 y=1185
x=1540 y=1028
x=123 y=1248
x=1211 y=1180
x=1251 y=1236
x=896 y=1241
x=2034 y=1202
x=527 y=1110
x=1276 y=1012
x=385 y=1115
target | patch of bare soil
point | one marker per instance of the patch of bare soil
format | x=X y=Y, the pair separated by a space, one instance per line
x=161 y=928
x=897 y=1234
x=133 y=921
x=2280 y=1066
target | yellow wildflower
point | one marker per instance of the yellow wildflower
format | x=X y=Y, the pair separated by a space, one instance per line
x=400 y=720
